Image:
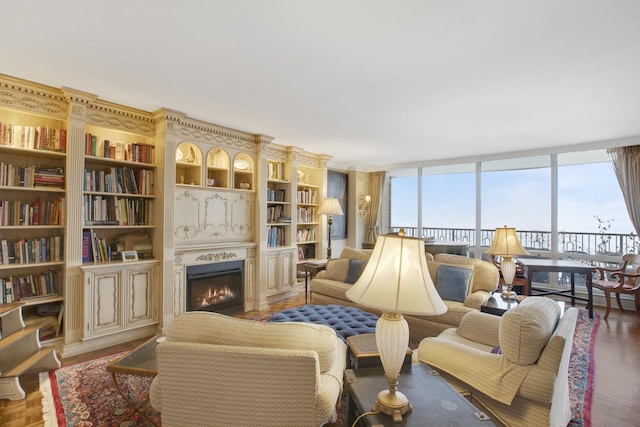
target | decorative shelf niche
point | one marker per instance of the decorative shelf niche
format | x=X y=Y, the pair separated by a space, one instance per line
x=218 y=166
x=188 y=164
x=243 y=169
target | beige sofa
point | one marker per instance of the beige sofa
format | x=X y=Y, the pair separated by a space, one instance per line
x=515 y=367
x=330 y=286
x=215 y=370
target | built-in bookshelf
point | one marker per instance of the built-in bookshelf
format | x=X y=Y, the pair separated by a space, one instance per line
x=278 y=212
x=307 y=201
x=307 y=222
x=33 y=215
x=118 y=194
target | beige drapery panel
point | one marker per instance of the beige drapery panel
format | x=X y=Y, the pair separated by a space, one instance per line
x=372 y=220
x=626 y=162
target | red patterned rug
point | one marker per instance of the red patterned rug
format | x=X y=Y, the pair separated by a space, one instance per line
x=582 y=369
x=84 y=394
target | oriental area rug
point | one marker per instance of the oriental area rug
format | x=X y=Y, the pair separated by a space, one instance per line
x=84 y=394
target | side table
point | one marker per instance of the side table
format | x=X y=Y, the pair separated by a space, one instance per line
x=311 y=268
x=497 y=305
x=572 y=268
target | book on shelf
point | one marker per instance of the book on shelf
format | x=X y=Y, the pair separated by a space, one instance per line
x=100 y=250
x=7 y=291
x=86 y=246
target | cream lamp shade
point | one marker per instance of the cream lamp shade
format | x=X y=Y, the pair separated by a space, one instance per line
x=330 y=206
x=507 y=245
x=396 y=281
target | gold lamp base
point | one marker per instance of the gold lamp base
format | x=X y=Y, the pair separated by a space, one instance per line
x=392 y=403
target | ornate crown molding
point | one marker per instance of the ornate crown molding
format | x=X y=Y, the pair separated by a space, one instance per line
x=278 y=152
x=313 y=160
x=32 y=97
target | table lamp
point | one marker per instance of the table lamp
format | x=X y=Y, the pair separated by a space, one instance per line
x=396 y=281
x=506 y=244
x=330 y=206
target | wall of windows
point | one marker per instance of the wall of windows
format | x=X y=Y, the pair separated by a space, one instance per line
x=567 y=203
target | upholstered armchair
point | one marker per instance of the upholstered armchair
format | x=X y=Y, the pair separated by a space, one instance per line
x=515 y=367
x=215 y=370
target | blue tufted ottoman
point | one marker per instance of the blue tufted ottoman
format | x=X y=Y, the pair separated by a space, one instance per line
x=346 y=321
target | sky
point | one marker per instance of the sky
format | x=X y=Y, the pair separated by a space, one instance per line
x=517 y=198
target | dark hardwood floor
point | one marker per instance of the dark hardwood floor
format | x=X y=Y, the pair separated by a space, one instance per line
x=616 y=391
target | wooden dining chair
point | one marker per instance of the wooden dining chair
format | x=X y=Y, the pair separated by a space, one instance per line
x=622 y=280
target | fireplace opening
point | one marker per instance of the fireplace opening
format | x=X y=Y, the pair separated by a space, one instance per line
x=215 y=287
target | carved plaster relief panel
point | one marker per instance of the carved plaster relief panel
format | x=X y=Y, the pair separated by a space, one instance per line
x=202 y=215
x=186 y=217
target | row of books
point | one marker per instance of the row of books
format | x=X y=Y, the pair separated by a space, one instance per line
x=276 y=214
x=275 y=236
x=133 y=152
x=306 y=214
x=308 y=196
x=31 y=176
x=124 y=180
x=114 y=210
x=275 y=195
x=276 y=170
x=23 y=251
x=306 y=235
x=33 y=137
x=16 y=288
x=38 y=212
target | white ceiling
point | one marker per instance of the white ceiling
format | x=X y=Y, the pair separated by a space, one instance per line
x=372 y=83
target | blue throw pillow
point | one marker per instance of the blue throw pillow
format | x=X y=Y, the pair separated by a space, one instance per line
x=452 y=283
x=356 y=266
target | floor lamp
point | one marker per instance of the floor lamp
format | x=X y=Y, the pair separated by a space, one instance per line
x=330 y=206
x=507 y=245
x=396 y=281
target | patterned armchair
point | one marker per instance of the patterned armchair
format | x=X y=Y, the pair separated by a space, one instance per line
x=515 y=367
x=215 y=370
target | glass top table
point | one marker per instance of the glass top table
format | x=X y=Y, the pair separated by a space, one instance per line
x=141 y=361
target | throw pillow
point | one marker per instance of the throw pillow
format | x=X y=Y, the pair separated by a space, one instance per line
x=526 y=329
x=452 y=283
x=356 y=266
x=337 y=269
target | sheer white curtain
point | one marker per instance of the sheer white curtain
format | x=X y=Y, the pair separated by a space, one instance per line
x=626 y=162
x=376 y=179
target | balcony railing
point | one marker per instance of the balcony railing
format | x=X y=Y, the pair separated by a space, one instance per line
x=591 y=247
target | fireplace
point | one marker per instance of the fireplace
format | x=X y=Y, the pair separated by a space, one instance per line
x=215 y=287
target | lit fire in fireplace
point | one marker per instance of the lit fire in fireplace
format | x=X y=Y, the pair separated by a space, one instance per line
x=215 y=296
